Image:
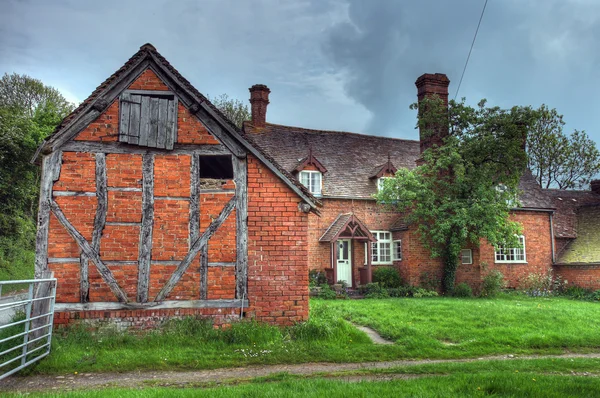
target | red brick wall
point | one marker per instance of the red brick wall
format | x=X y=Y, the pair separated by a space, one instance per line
x=536 y=228
x=277 y=249
x=417 y=265
x=278 y=275
x=585 y=276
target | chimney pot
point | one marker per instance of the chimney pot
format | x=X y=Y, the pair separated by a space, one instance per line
x=595 y=186
x=259 y=99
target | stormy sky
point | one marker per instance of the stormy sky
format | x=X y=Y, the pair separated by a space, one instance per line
x=331 y=64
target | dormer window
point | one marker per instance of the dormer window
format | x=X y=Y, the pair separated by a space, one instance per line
x=312 y=180
x=381 y=183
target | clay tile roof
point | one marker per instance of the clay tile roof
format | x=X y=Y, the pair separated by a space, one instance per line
x=336 y=227
x=350 y=158
x=339 y=225
x=532 y=195
x=586 y=248
x=567 y=202
x=399 y=225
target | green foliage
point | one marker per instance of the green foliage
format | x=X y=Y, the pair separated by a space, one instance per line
x=420 y=292
x=387 y=277
x=327 y=293
x=316 y=278
x=374 y=291
x=541 y=284
x=493 y=283
x=560 y=160
x=463 y=290
x=235 y=110
x=411 y=291
x=29 y=111
x=453 y=195
x=427 y=281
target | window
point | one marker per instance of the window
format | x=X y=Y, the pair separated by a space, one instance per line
x=381 y=182
x=512 y=254
x=216 y=167
x=510 y=200
x=466 y=256
x=382 y=249
x=148 y=119
x=397 y=250
x=311 y=180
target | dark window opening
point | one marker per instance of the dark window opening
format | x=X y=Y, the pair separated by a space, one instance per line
x=216 y=167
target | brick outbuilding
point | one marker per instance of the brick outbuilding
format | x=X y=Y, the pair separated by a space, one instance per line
x=153 y=205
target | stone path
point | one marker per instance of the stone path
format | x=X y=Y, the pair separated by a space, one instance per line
x=195 y=378
x=373 y=335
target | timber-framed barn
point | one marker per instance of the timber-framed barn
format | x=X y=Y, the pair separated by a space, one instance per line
x=154 y=205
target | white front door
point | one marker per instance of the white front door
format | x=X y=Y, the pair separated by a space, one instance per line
x=344 y=266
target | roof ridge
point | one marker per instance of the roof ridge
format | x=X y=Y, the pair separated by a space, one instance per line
x=341 y=132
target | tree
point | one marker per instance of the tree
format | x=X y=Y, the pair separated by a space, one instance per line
x=453 y=197
x=234 y=109
x=556 y=159
x=29 y=111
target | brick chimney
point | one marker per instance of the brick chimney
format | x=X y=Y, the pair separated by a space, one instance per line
x=259 y=99
x=430 y=85
x=595 y=186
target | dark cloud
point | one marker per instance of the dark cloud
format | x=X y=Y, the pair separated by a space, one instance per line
x=334 y=64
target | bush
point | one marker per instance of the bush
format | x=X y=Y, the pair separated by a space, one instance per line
x=403 y=291
x=374 y=291
x=327 y=292
x=387 y=277
x=316 y=278
x=492 y=284
x=420 y=292
x=541 y=284
x=579 y=293
x=463 y=290
x=428 y=282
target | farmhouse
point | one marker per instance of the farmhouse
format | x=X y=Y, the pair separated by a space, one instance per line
x=352 y=233
x=154 y=205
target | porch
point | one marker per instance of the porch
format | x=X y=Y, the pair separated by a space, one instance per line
x=349 y=238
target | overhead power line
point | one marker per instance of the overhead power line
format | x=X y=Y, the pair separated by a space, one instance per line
x=471 y=49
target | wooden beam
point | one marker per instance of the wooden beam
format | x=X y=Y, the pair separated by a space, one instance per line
x=209 y=119
x=150 y=92
x=240 y=174
x=50 y=173
x=194 y=222
x=120 y=147
x=335 y=260
x=204 y=272
x=171 y=304
x=92 y=255
x=89 y=114
x=196 y=247
x=145 y=245
x=99 y=223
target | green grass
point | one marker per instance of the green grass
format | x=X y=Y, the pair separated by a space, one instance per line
x=452 y=327
x=458 y=385
x=422 y=328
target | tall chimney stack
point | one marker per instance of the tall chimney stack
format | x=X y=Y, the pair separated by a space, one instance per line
x=431 y=85
x=259 y=99
x=595 y=186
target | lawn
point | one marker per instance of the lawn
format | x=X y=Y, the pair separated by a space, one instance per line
x=421 y=328
x=452 y=327
x=547 y=378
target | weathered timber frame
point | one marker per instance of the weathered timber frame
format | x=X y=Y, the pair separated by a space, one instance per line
x=232 y=142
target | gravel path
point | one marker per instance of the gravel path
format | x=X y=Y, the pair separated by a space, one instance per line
x=183 y=378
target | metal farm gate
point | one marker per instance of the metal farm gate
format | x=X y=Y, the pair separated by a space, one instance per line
x=25 y=323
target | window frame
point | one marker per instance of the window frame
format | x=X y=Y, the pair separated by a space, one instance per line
x=397 y=243
x=470 y=256
x=311 y=174
x=376 y=246
x=380 y=182
x=512 y=251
